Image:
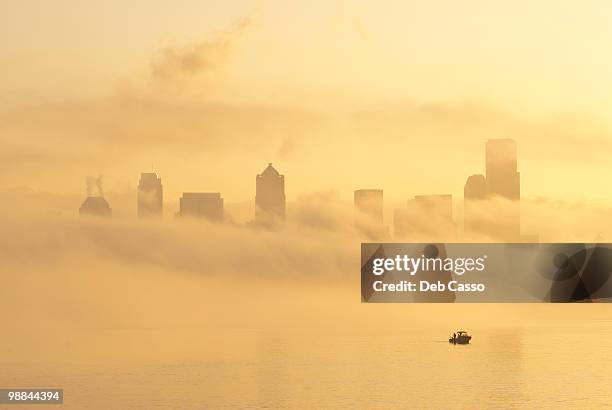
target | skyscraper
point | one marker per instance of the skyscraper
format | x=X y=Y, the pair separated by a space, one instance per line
x=269 y=196
x=504 y=189
x=474 y=206
x=502 y=177
x=95 y=204
x=150 y=195
x=369 y=213
x=208 y=205
x=492 y=202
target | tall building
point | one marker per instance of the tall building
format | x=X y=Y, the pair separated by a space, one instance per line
x=504 y=188
x=492 y=202
x=502 y=177
x=208 y=205
x=474 y=206
x=95 y=206
x=369 y=213
x=269 y=196
x=427 y=218
x=475 y=187
x=150 y=195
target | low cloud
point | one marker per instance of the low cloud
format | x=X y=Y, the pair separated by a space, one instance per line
x=77 y=280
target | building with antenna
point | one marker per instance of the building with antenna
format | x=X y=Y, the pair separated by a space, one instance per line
x=95 y=204
x=150 y=195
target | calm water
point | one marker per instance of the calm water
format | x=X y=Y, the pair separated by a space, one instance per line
x=558 y=364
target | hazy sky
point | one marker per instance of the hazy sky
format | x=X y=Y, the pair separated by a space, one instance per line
x=399 y=95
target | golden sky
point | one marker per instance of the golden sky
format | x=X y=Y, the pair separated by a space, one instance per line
x=399 y=95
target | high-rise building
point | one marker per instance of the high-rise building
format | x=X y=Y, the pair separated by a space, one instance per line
x=95 y=206
x=475 y=187
x=502 y=177
x=427 y=218
x=492 y=202
x=475 y=210
x=269 y=196
x=369 y=213
x=208 y=205
x=504 y=189
x=150 y=195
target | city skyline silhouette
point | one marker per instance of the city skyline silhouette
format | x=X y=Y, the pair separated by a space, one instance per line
x=426 y=217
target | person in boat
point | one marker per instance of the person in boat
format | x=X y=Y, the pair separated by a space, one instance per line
x=454 y=337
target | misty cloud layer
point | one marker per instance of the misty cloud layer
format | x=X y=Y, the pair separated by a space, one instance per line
x=184 y=118
x=79 y=280
x=209 y=55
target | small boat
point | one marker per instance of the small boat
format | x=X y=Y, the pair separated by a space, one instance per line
x=460 y=338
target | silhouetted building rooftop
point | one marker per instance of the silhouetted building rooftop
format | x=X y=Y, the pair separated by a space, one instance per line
x=150 y=195
x=501 y=173
x=475 y=187
x=475 y=209
x=207 y=205
x=95 y=206
x=269 y=196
